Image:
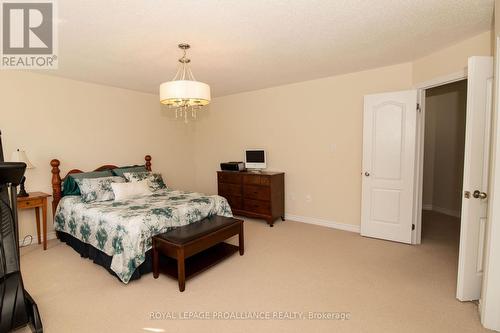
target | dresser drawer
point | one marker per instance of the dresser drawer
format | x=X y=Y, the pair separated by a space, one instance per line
x=265 y=180
x=227 y=177
x=257 y=192
x=231 y=189
x=251 y=179
x=257 y=206
x=29 y=203
x=256 y=180
x=235 y=202
x=253 y=194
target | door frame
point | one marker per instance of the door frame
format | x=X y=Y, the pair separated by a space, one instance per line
x=489 y=304
x=416 y=237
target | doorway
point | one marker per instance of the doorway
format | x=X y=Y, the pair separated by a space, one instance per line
x=444 y=146
x=393 y=163
x=474 y=197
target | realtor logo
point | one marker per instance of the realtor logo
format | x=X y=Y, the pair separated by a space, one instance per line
x=28 y=35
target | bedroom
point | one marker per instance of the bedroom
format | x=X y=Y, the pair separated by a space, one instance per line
x=268 y=83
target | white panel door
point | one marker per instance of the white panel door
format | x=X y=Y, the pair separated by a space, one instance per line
x=476 y=164
x=389 y=129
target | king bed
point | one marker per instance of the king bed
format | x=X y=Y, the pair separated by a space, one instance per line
x=116 y=234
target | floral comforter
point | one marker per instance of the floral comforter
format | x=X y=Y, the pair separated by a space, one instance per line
x=123 y=229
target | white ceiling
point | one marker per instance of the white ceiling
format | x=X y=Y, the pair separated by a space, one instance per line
x=246 y=45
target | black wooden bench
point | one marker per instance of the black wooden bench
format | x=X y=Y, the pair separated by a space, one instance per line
x=196 y=247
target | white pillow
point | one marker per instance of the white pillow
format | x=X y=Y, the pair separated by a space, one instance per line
x=128 y=190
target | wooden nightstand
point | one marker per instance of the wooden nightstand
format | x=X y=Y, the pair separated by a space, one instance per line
x=37 y=200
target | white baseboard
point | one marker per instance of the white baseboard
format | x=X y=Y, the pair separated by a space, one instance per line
x=50 y=235
x=324 y=223
x=442 y=210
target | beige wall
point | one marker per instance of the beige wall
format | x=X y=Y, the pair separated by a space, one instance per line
x=311 y=130
x=451 y=59
x=85 y=126
x=445 y=109
x=429 y=154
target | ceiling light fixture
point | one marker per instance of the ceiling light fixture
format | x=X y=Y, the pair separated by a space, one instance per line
x=184 y=93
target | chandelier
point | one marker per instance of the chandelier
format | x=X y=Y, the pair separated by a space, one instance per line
x=184 y=93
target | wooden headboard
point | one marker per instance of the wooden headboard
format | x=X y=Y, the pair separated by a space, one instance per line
x=57 y=180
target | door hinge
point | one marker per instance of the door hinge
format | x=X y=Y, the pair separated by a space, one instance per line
x=418 y=108
x=413 y=227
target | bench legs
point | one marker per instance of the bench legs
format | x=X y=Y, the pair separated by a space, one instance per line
x=181 y=269
x=181 y=266
x=241 y=240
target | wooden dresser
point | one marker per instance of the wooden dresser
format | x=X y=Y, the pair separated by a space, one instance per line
x=252 y=194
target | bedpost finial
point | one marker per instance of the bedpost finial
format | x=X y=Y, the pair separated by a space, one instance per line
x=148 y=162
x=55 y=163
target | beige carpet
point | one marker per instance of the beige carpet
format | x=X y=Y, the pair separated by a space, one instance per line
x=385 y=286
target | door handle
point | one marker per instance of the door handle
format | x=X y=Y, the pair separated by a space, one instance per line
x=479 y=195
x=367 y=174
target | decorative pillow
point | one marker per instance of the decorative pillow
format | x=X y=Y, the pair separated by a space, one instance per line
x=133 y=168
x=155 y=180
x=133 y=189
x=70 y=186
x=98 y=189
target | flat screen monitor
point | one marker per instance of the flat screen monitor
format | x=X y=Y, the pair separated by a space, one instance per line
x=255 y=159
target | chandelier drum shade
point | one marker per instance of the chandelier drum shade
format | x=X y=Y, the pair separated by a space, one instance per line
x=184 y=93
x=194 y=92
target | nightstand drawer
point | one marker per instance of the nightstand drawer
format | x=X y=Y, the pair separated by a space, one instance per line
x=257 y=192
x=29 y=203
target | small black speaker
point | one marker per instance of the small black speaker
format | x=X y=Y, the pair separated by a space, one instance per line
x=232 y=166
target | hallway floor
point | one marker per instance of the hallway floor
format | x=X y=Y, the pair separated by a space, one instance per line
x=441 y=228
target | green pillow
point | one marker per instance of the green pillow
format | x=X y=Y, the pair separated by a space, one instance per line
x=134 y=168
x=70 y=187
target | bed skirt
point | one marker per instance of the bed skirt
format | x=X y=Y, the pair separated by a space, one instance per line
x=102 y=259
